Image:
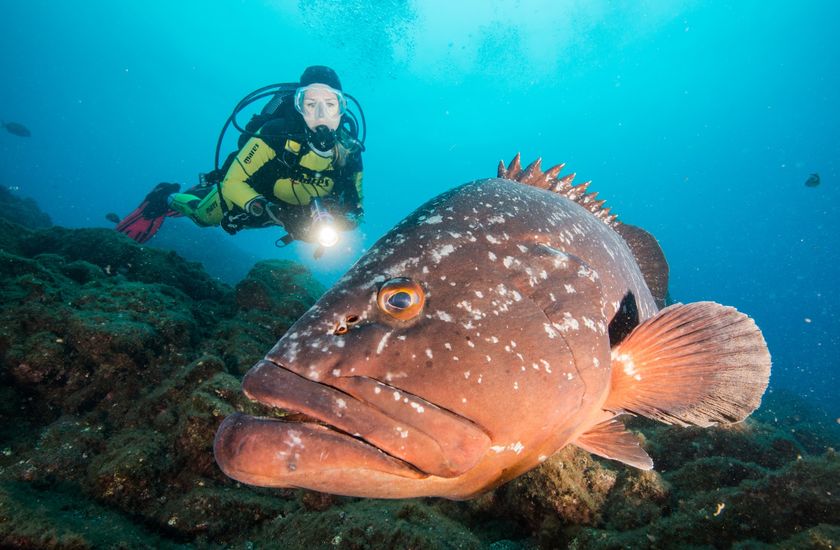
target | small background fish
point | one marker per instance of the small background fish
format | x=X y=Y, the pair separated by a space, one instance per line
x=17 y=129
x=813 y=180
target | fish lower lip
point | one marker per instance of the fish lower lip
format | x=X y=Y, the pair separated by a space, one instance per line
x=274 y=453
x=430 y=439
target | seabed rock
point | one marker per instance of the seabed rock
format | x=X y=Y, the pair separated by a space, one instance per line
x=119 y=361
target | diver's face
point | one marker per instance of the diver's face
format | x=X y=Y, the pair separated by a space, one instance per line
x=321 y=107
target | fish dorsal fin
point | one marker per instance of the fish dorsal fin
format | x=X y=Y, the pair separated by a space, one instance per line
x=534 y=176
x=610 y=440
x=649 y=257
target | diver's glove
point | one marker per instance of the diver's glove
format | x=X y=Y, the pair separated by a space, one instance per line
x=261 y=209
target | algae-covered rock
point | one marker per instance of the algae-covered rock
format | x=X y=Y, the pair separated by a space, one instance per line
x=368 y=524
x=59 y=518
x=23 y=211
x=119 y=361
x=638 y=498
x=273 y=295
x=115 y=254
x=282 y=287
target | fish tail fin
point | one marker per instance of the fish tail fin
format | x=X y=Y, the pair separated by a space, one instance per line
x=696 y=364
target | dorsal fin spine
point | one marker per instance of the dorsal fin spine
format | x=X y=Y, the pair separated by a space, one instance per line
x=534 y=176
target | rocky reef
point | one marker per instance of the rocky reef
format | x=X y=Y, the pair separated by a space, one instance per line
x=119 y=361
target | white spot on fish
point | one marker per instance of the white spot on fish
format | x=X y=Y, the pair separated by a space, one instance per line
x=437 y=218
x=382 y=343
x=590 y=274
x=492 y=239
x=442 y=252
x=443 y=316
x=429 y=353
x=515 y=447
x=342 y=404
x=569 y=289
x=417 y=407
x=508 y=261
x=377 y=390
x=491 y=256
x=569 y=323
x=466 y=375
x=628 y=366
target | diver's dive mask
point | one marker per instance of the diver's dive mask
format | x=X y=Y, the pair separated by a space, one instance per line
x=320 y=104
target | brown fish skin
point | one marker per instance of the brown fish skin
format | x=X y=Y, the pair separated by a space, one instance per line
x=507 y=359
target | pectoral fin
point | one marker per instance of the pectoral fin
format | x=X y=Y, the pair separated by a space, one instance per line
x=610 y=440
x=692 y=365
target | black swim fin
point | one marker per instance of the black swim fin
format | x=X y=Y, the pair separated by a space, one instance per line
x=142 y=224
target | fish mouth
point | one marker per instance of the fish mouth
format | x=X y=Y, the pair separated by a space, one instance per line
x=348 y=430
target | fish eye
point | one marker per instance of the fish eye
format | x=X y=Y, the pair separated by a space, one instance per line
x=401 y=298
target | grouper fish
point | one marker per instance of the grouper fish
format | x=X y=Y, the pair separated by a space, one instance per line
x=496 y=324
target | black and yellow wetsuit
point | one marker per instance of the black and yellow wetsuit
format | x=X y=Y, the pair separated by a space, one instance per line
x=283 y=170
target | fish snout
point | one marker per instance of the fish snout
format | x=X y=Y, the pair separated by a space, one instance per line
x=363 y=411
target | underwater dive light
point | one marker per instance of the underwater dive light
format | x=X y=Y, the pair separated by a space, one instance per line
x=323 y=224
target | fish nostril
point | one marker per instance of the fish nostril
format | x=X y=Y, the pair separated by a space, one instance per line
x=341 y=327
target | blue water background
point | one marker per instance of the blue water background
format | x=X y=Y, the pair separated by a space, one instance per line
x=699 y=121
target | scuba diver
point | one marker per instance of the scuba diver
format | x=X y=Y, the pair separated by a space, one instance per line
x=298 y=166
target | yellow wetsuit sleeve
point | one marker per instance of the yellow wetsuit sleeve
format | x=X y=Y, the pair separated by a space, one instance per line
x=253 y=156
x=357 y=181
